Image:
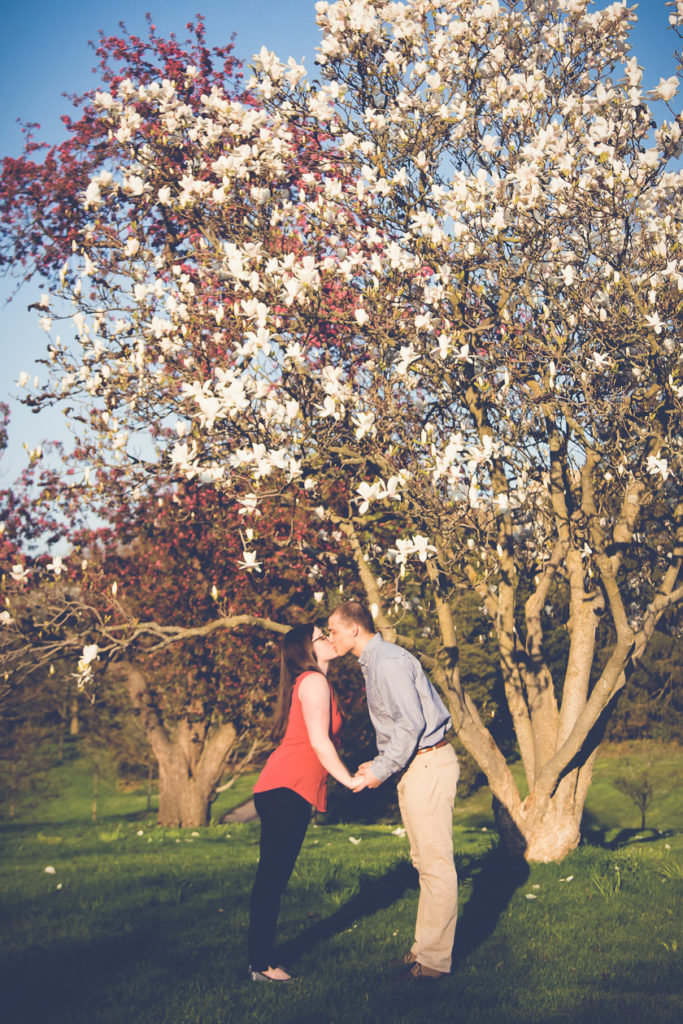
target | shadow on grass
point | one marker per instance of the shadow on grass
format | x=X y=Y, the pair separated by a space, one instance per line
x=133 y=965
x=374 y=894
x=50 y=983
x=595 y=834
x=496 y=877
x=29 y=824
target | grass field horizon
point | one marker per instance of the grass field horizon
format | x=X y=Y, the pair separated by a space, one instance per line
x=133 y=922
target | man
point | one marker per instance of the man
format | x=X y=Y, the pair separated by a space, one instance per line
x=411 y=723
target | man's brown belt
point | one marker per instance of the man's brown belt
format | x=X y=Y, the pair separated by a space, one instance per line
x=423 y=750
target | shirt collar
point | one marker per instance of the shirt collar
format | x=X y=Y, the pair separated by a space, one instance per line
x=370 y=646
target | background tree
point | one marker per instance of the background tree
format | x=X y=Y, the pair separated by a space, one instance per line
x=650 y=707
x=40 y=213
x=161 y=601
x=637 y=786
x=184 y=568
x=27 y=749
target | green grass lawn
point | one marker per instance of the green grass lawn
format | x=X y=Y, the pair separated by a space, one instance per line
x=148 y=925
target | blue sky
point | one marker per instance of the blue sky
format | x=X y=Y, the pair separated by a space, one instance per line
x=45 y=53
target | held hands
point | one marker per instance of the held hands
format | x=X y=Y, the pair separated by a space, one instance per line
x=369 y=778
x=364 y=778
x=357 y=783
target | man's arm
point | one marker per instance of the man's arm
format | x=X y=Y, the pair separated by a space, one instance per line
x=402 y=717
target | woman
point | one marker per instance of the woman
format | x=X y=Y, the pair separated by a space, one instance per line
x=293 y=780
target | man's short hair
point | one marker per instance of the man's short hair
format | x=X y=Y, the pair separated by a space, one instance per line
x=354 y=611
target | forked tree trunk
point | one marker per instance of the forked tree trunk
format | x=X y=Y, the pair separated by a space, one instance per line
x=544 y=830
x=191 y=758
x=184 y=798
x=546 y=824
x=547 y=837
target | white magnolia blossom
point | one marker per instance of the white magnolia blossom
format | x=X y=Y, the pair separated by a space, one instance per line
x=417 y=545
x=90 y=653
x=183 y=457
x=658 y=466
x=367 y=494
x=250 y=561
x=248 y=504
x=365 y=424
x=84 y=668
x=666 y=90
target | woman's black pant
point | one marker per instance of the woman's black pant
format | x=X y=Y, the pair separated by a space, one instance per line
x=284 y=819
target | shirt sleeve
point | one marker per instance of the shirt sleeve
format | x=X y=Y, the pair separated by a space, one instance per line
x=395 y=688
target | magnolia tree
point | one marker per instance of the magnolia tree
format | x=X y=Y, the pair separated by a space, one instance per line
x=436 y=296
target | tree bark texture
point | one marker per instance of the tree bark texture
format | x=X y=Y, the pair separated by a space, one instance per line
x=190 y=756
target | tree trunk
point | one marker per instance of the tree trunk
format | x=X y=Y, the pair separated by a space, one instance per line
x=184 y=800
x=13 y=788
x=558 y=745
x=541 y=830
x=543 y=827
x=187 y=785
x=546 y=825
x=95 y=790
x=190 y=756
x=74 y=721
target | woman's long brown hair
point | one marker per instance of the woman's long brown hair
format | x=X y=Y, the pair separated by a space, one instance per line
x=297 y=655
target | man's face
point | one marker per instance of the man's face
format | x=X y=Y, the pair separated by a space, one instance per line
x=343 y=634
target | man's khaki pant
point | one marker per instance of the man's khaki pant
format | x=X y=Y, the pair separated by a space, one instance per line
x=426 y=795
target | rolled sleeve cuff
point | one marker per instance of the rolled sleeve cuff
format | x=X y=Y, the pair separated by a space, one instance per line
x=384 y=767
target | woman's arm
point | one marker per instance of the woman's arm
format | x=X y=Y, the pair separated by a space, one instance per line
x=314 y=694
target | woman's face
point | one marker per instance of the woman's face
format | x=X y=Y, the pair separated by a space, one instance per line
x=322 y=645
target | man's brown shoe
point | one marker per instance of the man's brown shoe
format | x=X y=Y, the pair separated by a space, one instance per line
x=418 y=972
x=407 y=960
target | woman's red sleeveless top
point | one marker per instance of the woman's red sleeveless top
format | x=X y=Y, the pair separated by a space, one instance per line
x=294 y=763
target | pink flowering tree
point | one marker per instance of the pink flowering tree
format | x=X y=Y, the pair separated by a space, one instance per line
x=435 y=294
x=156 y=585
x=160 y=606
